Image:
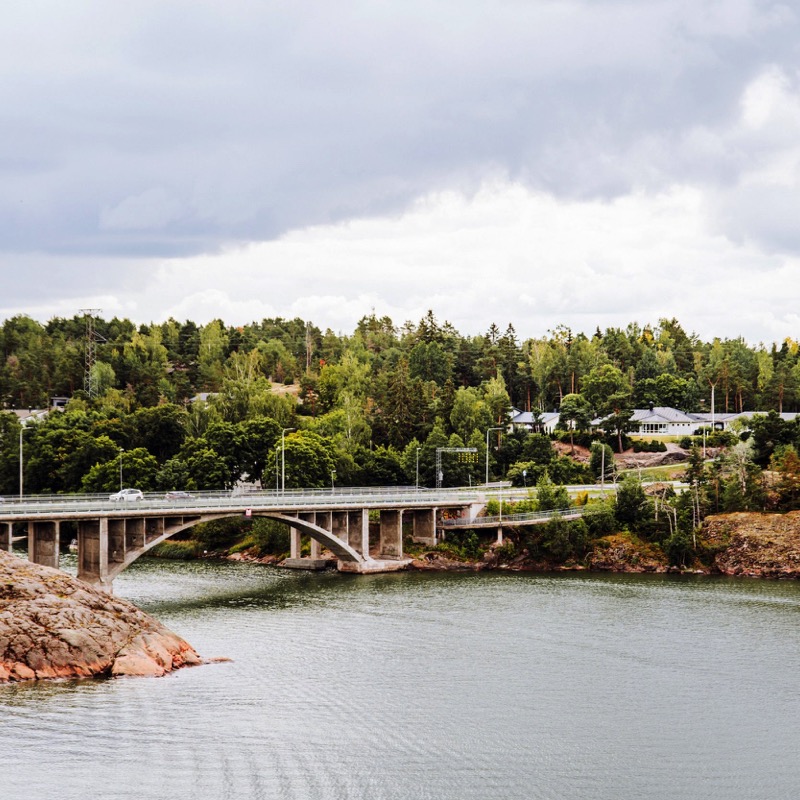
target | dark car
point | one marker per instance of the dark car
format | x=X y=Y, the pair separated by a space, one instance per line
x=177 y=495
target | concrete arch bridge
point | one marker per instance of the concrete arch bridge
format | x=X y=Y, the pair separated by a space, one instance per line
x=112 y=535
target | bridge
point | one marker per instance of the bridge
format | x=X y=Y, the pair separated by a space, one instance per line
x=112 y=535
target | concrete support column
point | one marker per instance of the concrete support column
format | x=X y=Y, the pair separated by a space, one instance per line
x=134 y=534
x=44 y=542
x=6 y=536
x=294 y=543
x=425 y=526
x=358 y=531
x=93 y=552
x=322 y=519
x=310 y=516
x=116 y=540
x=500 y=534
x=339 y=525
x=391 y=535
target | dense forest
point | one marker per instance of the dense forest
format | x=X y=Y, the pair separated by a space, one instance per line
x=180 y=405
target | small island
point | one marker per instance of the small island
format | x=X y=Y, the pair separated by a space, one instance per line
x=55 y=626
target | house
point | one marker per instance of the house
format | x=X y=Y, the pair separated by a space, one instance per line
x=655 y=421
x=666 y=421
x=663 y=421
x=543 y=422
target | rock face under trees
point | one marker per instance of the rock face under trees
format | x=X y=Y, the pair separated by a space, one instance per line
x=756 y=545
x=55 y=626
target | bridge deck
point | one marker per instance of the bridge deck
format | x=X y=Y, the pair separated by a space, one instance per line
x=64 y=507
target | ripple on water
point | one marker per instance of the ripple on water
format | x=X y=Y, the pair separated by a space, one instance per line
x=430 y=686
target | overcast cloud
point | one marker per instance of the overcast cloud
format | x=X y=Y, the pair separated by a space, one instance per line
x=538 y=162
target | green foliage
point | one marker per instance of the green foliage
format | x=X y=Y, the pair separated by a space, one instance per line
x=222 y=534
x=139 y=470
x=679 y=548
x=652 y=446
x=599 y=518
x=632 y=506
x=550 y=497
x=558 y=539
x=177 y=550
x=368 y=396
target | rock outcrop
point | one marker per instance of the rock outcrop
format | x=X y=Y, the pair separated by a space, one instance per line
x=758 y=545
x=55 y=626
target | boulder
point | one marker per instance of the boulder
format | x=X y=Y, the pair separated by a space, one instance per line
x=54 y=626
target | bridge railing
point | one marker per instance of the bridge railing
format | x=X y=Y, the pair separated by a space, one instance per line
x=192 y=502
x=461 y=522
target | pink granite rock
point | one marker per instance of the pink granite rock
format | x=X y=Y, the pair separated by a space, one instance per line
x=55 y=626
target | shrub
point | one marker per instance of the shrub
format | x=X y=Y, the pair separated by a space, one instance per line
x=177 y=550
x=599 y=519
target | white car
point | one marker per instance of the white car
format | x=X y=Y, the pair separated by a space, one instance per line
x=126 y=494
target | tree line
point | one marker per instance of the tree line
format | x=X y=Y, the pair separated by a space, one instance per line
x=370 y=407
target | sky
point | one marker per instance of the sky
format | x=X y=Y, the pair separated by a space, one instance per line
x=588 y=163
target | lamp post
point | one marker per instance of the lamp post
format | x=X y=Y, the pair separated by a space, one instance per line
x=487 y=450
x=283 y=458
x=21 y=431
x=333 y=478
x=121 y=450
x=417 y=481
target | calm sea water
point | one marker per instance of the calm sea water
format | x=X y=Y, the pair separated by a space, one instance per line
x=430 y=686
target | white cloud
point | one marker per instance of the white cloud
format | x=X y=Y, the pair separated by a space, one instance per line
x=506 y=254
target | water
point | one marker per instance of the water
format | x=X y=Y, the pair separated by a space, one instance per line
x=430 y=686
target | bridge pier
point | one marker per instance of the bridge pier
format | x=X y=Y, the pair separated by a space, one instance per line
x=358 y=531
x=6 y=535
x=93 y=552
x=44 y=540
x=391 y=534
x=296 y=559
x=424 y=526
x=322 y=520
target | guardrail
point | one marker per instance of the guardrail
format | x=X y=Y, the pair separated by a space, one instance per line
x=532 y=516
x=238 y=501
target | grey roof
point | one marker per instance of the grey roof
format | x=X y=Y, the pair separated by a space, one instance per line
x=661 y=414
x=527 y=418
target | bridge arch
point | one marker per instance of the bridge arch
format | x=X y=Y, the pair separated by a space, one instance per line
x=341 y=549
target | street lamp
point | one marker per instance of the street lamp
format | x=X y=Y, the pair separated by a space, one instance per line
x=417 y=482
x=283 y=457
x=22 y=430
x=121 y=450
x=487 y=450
x=333 y=478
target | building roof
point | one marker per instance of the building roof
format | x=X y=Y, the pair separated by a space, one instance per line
x=660 y=414
x=531 y=418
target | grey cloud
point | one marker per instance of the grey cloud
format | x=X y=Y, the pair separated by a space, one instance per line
x=175 y=128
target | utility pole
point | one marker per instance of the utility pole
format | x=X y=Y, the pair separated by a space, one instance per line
x=487 y=450
x=283 y=458
x=21 y=431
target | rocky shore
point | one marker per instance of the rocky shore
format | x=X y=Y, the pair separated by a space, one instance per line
x=747 y=544
x=55 y=626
